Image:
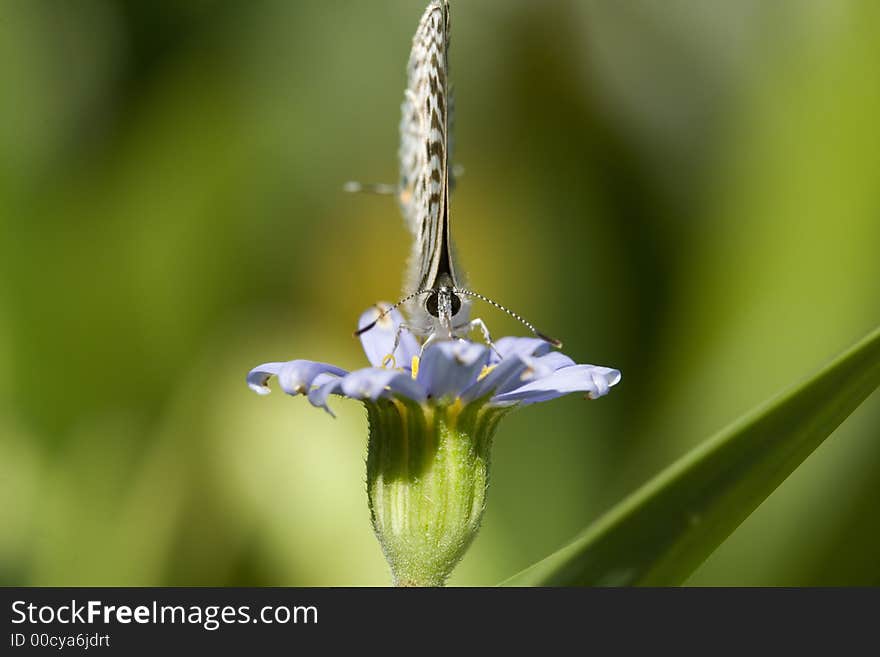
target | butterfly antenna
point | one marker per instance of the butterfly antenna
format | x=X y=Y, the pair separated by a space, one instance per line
x=388 y=310
x=382 y=189
x=476 y=295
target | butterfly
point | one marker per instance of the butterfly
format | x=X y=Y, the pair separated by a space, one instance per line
x=437 y=304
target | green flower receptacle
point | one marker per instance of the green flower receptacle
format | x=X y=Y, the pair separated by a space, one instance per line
x=427 y=478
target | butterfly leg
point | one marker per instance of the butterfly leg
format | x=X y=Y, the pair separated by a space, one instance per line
x=484 y=331
x=389 y=358
x=431 y=338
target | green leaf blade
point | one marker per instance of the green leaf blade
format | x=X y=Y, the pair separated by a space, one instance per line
x=660 y=534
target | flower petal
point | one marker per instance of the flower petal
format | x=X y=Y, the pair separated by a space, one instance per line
x=295 y=376
x=593 y=380
x=451 y=366
x=378 y=341
x=323 y=386
x=374 y=382
x=517 y=368
x=509 y=346
x=553 y=361
x=509 y=369
x=258 y=378
x=535 y=369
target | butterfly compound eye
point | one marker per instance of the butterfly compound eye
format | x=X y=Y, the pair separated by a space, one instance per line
x=456 y=304
x=432 y=305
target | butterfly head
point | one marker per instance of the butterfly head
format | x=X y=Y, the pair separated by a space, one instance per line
x=442 y=306
x=443 y=303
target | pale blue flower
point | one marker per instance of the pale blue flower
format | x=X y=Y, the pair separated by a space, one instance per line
x=522 y=371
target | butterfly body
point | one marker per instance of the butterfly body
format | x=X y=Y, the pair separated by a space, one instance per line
x=425 y=178
x=436 y=304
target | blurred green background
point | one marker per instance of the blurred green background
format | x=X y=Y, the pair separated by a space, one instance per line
x=687 y=191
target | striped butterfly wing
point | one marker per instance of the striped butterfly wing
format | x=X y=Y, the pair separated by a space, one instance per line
x=424 y=150
x=411 y=141
x=412 y=131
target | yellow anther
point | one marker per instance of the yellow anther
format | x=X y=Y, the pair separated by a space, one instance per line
x=485 y=371
x=415 y=366
x=389 y=361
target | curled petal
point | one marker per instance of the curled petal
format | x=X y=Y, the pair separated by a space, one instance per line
x=258 y=378
x=378 y=341
x=603 y=379
x=295 y=377
x=510 y=346
x=449 y=367
x=374 y=382
x=323 y=386
x=593 y=380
